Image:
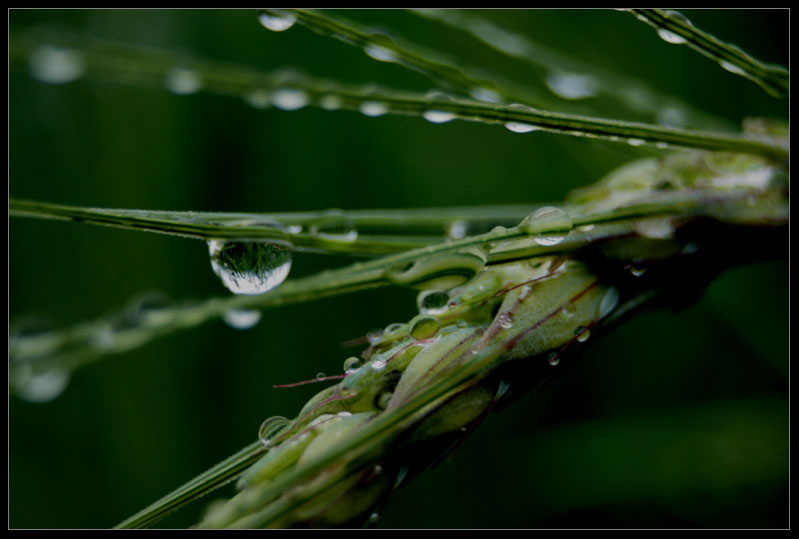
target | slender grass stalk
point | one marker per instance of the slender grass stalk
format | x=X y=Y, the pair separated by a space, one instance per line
x=674 y=27
x=571 y=78
x=291 y=92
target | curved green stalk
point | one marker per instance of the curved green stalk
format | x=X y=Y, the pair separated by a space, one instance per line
x=213 y=478
x=676 y=28
x=289 y=92
x=591 y=79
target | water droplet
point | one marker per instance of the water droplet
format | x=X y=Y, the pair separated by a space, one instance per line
x=553 y=358
x=504 y=320
x=636 y=271
x=40 y=387
x=569 y=309
x=586 y=228
x=374 y=517
x=608 y=302
x=432 y=302
x=379 y=364
x=423 y=326
x=258 y=98
x=250 y=267
x=571 y=85
x=374 y=336
x=520 y=127
x=182 y=81
x=441 y=271
x=549 y=225
x=732 y=68
x=56 y=65
x=271 y=428
x=352 y=364
x=671 y=37
x=290 y=98
x=655 y=227
x=379 y=53
x=277 y=20
x=334 y=226
x=481 y=93
x=320 y=376
x=636 y=141
x=242 y=318
x=581 y=333
x=457 y=229
x=438 y=116
x=373 y=108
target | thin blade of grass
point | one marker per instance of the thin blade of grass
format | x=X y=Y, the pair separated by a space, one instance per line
x=591 y=78
x=147 y=67
x=674 y=27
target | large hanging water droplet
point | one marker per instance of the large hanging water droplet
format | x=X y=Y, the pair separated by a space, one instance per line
x=277 y=20
x=549 y=225
x=334 y=226
x=56 y=65
x=250 y=267
x=242 y=318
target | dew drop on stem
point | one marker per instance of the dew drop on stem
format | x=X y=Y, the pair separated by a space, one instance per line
x=548 y=225
x=277 y=20
x=334 y=226
x=242 y=318
x=271 y=428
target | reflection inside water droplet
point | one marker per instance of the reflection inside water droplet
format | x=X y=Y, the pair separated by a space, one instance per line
x=250 y=267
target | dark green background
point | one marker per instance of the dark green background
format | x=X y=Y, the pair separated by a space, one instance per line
x=676 y=420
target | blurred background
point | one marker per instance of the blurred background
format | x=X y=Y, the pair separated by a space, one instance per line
x=675 y=420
